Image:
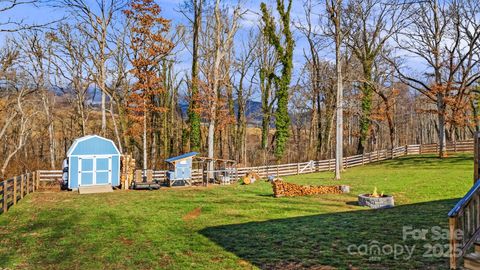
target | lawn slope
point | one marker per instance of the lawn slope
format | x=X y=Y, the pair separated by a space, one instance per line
x=240 y=227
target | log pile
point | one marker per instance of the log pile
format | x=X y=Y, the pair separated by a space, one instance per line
x=127 y=170
x=281 y=189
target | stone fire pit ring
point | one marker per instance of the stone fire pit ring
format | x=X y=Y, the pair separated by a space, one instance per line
x=385 y=201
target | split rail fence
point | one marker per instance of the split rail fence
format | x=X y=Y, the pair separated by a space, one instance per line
x=14 y=189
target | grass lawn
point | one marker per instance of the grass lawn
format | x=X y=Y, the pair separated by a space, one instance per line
x=242 y=227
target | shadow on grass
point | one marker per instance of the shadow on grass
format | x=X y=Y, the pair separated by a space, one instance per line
x=332 y=240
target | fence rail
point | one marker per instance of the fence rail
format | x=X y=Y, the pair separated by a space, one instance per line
x=309 y=166
x=16 y=188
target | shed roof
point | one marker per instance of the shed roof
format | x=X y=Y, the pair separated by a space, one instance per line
x=100 y=145
x=184 y=156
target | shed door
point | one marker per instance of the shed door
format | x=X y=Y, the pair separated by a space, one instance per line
x=103 y=170
x=85 y=171
x=95 y=170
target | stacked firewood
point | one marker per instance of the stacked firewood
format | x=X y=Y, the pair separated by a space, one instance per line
x=281 y=189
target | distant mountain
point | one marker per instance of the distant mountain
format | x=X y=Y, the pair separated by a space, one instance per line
x=253 y=111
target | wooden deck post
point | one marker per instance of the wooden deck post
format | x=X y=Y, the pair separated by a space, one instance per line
x=14 y=191
x=475 y=158
x=452 y=222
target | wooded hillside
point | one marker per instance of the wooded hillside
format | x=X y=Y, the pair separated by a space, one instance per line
x=126 y=71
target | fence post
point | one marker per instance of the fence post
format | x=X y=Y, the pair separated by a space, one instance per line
x=34 y=177
x=406 y=150
x=363 y=158
x=28 y=183
x=298 y=168
x=14 y=191
x=329 y=165
x=277 y=171
x=420 y=149
x=5 y=196
x=22 y=186
x=38 y=179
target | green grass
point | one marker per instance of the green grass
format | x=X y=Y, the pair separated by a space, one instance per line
x=238 y=227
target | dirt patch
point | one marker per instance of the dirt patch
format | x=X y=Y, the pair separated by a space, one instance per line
x=126 y=241
x=195 y=213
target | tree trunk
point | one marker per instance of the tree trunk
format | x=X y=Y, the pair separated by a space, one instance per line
x=145 y=159
x=366 y=104
x=339 y=106
x=194 y=117
x=442 y=142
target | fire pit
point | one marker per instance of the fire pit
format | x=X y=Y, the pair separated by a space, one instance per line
x=375 y=200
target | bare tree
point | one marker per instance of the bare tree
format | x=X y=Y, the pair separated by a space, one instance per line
x=96 y=22
x=267 y=61
x=245 y=72
x=369 y=25
x=445 y=36
x=10 y=25
x=15 y=92
x=71 y=72
x=321 y=76
x=334 y=10
x=222 y=30
x=37 y=52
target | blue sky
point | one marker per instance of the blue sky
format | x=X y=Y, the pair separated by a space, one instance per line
x=43 y=14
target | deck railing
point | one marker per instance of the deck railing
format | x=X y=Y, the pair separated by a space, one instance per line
x=464 y=224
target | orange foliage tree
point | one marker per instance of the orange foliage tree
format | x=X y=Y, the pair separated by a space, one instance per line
x=149 y=46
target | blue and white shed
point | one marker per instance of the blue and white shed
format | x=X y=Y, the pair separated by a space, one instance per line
x=180 y=168
x=93 y=161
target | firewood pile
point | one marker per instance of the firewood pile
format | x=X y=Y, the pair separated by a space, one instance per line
x=281 y=189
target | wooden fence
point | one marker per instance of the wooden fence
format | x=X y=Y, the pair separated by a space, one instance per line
x=309 y=166
x=14 y=189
